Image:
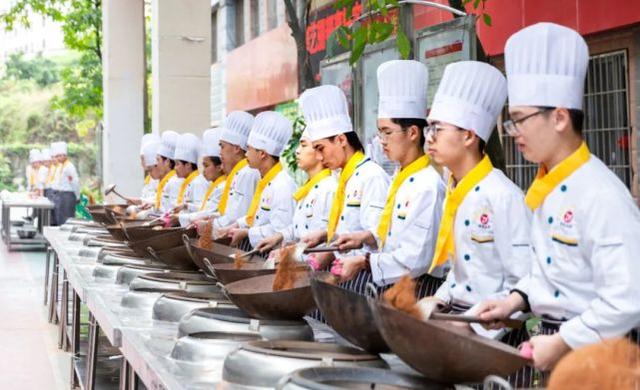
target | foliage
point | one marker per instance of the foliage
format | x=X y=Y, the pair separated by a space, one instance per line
x=82 y=28
x=379 y=23
x=288 y=156
x=42 y=70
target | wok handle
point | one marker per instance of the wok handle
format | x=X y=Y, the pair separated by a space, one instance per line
x=282 y=382
x=514 y=324
x=371 y=290
x=496 y=382
x=124 y=231
x=209 y=266
x=319 y=250
x=187 y=243
x=153 y=254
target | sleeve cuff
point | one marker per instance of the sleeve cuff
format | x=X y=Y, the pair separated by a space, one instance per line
x=576 y=333
x=525 y=297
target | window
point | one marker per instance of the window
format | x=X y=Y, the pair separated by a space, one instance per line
x=272 y=14
x=606 y=124
x=255 y=19
x=239 y=23
x=214 y=36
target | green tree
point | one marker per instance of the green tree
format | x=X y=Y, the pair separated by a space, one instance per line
x=81 y=22
x=42 y=70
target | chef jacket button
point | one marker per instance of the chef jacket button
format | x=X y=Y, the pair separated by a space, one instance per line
x=342 y=217
x=357 y=173
x=467 y=257
x=296 y=226
x=556 y=294
x=563 y=188
x=477 y=188
x=306 y=227
x=466 y=222
x=468 y=288
x=550 y=220
x=316 y=186
x=453 y=285
x=548 y=260
x=411 y=179
x=398 y=205
x=257 y=217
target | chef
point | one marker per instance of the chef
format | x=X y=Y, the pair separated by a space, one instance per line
x=362 y=184
x=168 y=186
x=186 y=159
x=66 y=185
x=584 y=278
x=43 y=171
x=241 y=180
x=31 y=171
x=272 y=204
x=313 y=199
x=148 y=180
x=206 y=205
x=406 y=233
x=142 y=207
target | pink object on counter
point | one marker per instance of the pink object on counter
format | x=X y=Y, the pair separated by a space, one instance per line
x=336 y=267
x=313 y=262
x=526 y=350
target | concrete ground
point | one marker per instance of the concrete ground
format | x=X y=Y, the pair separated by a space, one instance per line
x=29 y=354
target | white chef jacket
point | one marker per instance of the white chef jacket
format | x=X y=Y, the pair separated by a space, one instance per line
x=28 y=173
x=275 y=210
x=170 y=193
x=41 y=178
x=312 y=212
x=194 y=193
x=194 y=213
x=148 y=193
x=492 y=243
x=67 y=180
x=242 y=188
x=413 y=232
x=365 y=197
x=586 y=241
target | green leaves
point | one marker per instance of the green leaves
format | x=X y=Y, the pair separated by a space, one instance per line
x=403 y=44
x=487 y=19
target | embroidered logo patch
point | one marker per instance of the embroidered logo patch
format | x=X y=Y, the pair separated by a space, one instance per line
x=568 y=217
x=484 y=220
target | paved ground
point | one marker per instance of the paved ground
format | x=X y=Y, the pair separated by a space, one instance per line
x=29 y=355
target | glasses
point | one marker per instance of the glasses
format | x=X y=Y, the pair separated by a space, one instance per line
x=432 y=130
x=385 y=134
x=511 y=125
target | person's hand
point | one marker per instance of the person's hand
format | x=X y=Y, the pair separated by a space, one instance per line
x=315 y=238
x=354 y=240
x=548 y=350
x=179 y=208
x=429 y=305
x=348 y=267
x=493 y=311
x=269 y=242
x=237 y=235
x=145 y=206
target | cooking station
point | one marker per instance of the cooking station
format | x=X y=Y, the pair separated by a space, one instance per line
x=163 y=321
x=22 y=232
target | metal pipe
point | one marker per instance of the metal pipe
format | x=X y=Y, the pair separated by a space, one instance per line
x=46 y=274
x=415 y=2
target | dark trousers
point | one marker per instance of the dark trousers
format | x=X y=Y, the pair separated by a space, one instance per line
x=64 y=206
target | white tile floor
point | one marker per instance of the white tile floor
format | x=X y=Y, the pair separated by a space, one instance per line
x=29 y=354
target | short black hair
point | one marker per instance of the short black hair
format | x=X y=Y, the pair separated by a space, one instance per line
x=193 y=166
x=172 y=163
x=405 y=123
x=353 y=140
x=576 y=116
x=214 y=160
x=481 y=145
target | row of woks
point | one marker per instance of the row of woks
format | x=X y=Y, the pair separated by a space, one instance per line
x=441 y=353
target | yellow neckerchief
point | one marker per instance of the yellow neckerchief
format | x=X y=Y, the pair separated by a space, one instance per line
x=338 y=199
x=222 y=206
x=58 y=173
x=385 y=219
x=262 y=184
x=32 y=177
x=545 y=182
x=304 y=190
x=212 y=187
x=52 y=172
x=161 y=186
x=445 y=245
x=185 y=184
x=147 y=180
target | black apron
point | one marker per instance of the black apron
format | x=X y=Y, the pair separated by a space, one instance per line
x=65 y=206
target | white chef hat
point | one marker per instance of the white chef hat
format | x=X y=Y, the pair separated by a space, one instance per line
x=546 y=66
x=211 y=143
x=58 y=148
x=146 y=138
x=271 y=131
x=471 y=94
x=402 y=89
x=236 y=128
x=45 y=154
x=325 y=111
x=149 y=152
x=37 y=157
x=168 y=148
x=187 y=148
x=32 y=155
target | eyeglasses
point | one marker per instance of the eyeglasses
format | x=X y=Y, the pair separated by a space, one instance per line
x=432 y=129
x=385 y=134
x=511 y=125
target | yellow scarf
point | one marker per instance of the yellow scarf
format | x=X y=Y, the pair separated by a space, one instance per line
x=58 y=173
x=545 y=182
x=338 y=199
x=212 y=187
x=222 y=206
x=185 y=184
x=304 y=190
x=147 y=179
x=32 y=177
x=445 y=245
x=52 y=173
x=161 y=185
x=262 y=184
x=387 y=212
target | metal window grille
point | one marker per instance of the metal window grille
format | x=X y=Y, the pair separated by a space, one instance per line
x=606 y=124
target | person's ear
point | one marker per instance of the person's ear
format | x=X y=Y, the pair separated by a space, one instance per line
x=561 y=119
x=414 y=132
x=469 y=138
x=342 y=140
